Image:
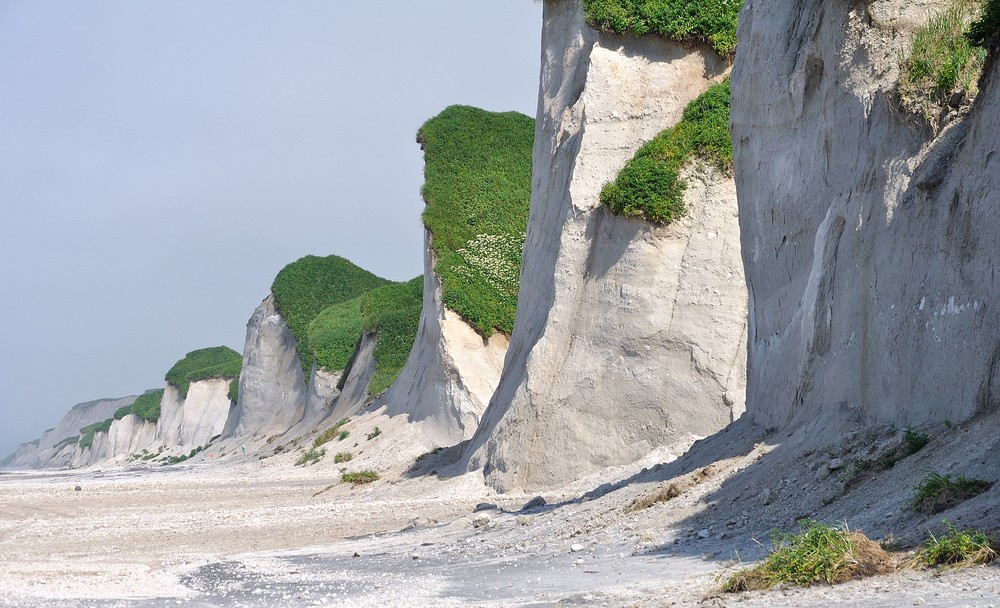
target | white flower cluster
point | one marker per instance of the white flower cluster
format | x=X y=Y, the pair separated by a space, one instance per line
x=495 y=258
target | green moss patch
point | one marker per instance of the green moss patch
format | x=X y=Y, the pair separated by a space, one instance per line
x=87 y=432
x=214 y=362
x=146 y=406
x=477 y=186
x=650 y=186
x=711 y=22
x=310 y=285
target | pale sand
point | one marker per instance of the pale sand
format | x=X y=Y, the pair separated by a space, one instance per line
x=248 y=532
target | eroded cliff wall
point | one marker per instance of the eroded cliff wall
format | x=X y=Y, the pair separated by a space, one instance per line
x=870 y=247
x=628 y=335
x=452 y=371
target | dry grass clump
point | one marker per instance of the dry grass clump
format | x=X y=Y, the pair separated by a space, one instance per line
x=819 y=554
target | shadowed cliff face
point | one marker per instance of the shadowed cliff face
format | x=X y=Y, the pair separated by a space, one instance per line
x=628 y=335
x=870 y=249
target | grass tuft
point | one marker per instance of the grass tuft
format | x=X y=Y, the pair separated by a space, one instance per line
x=477 y=186
x=957 y=549
x=343 y=457
x=985 y=31
x=329 y=433
x=818 y=554
x=361 y=477
x=711 y=22
x=375 y=433
x=938 y=492
x=650 y=186
x=941 y=70
x=310 y=455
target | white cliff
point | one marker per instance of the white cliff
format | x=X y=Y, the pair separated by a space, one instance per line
x=628 y=335
x=451 y=372
x=51 y=449
x=870 y=247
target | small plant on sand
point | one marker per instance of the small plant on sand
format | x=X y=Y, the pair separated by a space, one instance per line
x=329 y=433
x=343 y=457
x=938 y=492
x=375 y=433
x=662 y=494
x=310 y=455
x=913 y=442
x=343 y=435
x=986 y=29
x=361 y=477
x=957 y=548
x=819 y=554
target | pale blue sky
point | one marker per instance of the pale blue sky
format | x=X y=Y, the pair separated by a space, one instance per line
x=161 y=160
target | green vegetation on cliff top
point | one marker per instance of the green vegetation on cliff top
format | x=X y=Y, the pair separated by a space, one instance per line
x=711 y=22
x=87 y=432
x=477 y=186
x=306 y=287
x=391 y=311
x=650 y=186
x=214 y=362
x=146 y=406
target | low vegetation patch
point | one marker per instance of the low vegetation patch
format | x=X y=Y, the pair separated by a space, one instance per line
x=343 y=457
x=182 y=457
x=818 y=554
x=214 y=362
x=957 y=548
x=985 y=31
x=343 y=435
x=310 y=455
x=329 y=433
x=360 y=477
x=711 y=22
x=145 y=406
x=941 y=71
x=650 y=186
x=87 y=432
x=937 y=492
x=477 y=186
x=375 y=433
x=306 y=287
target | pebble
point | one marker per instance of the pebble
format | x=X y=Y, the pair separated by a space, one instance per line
x=481 y=520
x=525 y=520
x=485 y=506
x=703 y=533
x=836 y=463
x=534 y=503
x=77 y=488
x=577 y=548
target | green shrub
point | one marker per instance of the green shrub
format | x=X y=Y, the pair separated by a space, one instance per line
x=913 y=442
x=941 y=63
x=711 y=22
x=87 y=432
x=957 y=548
x=392 y=312
x=477 y=186
x=343 y=457
x=649 y=186
x=306 y=287
x=343 y=435
x=938 y=492
x=310 y=455
x=214 y=362
x=375 y=433
x=334 y=333
x=329 y=433
x=985 y=31
x=234 y=390
x=818 y=554
x=361 y=477
x=145 y=406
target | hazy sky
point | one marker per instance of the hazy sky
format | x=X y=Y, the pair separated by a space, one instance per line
x=161 y=160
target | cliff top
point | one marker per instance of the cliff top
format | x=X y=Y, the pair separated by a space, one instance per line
x=202 y=364
x=304 y=288
x=477 y=186
x=392 y=311
x=711 y=22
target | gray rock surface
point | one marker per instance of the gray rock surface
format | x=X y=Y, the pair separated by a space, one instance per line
x=451 y=372
x=628 y=336
x=870 y=248
x=272 y=393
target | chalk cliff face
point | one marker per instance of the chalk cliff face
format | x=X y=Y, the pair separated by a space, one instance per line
x=627 y=335
x=452 y=371
x=50 y=450
x=870 y=248
x=272 y=391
